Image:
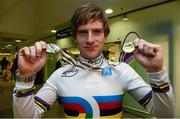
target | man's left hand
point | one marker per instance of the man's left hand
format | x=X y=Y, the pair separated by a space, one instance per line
x=148 y=55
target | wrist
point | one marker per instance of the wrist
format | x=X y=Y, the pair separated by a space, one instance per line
x=157 y=69
x=24 y=74
x=20 y=77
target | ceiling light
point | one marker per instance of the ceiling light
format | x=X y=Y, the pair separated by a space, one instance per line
x=9 y=45
x=53 y=31
x=18 y=41
x=108 y=11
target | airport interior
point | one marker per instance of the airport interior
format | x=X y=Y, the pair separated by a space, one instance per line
x=23 y=22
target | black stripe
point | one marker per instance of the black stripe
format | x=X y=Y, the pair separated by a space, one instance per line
x=154 y=85
x=144 y=105
x=71 y=112
x=164 y=90
x=44 y=108
x=146 y=97
x=41 y=101
x=110 y=111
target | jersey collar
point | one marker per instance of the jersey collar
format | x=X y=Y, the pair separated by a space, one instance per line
x=92 y=63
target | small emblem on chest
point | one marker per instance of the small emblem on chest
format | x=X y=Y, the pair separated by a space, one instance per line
x=107 y=71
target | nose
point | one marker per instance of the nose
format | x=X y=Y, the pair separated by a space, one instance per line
x=90 y=37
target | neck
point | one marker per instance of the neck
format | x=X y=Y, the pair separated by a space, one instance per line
x=95 y=62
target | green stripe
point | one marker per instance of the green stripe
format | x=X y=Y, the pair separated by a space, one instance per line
x=89 y=116
x=25 y=90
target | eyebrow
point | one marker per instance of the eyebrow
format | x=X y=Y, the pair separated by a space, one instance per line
x=101 y=29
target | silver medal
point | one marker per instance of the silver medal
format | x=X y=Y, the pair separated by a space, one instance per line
x=128 y=47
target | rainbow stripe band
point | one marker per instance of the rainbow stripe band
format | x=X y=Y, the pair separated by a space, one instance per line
x=25 y=90
x=43 y=104
x=80 y=108
x=24 y=93
x=163 y=88
x=74 y=106
x=109 y=112
x=109 y=105
x=145 y=100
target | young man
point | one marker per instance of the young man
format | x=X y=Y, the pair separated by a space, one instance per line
x=96 y=88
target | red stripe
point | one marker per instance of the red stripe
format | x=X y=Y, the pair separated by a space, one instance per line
x=109 y=105
x=25 y=94
x=77 y=107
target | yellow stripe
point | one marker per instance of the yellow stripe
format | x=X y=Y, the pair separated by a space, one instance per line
x=161 y=87
x=146 y=102
x=83 y=116
x=116 y=116
x=41 y=105
x=164 y=86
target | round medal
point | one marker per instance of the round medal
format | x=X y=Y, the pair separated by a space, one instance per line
x=128 y=47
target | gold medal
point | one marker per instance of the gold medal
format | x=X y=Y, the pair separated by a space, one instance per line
x=128 y=47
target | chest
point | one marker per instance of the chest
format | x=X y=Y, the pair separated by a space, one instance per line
x=90 y=83
x=91 y=94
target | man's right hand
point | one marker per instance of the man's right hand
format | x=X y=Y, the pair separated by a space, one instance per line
x=31 y=59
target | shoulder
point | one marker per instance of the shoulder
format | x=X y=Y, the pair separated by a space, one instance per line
x=120 y=65
x=57 y=75
x=63 y=68
x=128 y=77
x=124 y=70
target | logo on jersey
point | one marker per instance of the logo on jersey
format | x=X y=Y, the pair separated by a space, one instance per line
x=107 y=71
x=69 y=73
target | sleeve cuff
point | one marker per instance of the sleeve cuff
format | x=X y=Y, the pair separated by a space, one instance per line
x=24 y=82
x=159 y=81
x=159 y=77
x=22 y=85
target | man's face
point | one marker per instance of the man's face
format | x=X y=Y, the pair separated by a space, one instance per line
x=90 y=39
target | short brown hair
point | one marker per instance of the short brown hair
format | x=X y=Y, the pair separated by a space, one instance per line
x=88 y=12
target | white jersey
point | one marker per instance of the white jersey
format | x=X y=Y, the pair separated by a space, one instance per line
x=95 y=90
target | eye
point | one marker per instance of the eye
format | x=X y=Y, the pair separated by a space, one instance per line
x=82 y=32
x=98 y=31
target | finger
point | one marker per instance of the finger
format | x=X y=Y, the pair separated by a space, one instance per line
x=141 y=44
x=135 y=42
x=38 y=48
x=25 y=51
x=32 y=53
x=149 y=51
x=43 y=44
x=157 y=48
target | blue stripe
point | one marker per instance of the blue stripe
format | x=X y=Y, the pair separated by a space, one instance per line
x=114 y=98
x=78 y=100
x=146 y=97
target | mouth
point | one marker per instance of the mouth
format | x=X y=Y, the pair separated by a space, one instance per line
x=90 y=47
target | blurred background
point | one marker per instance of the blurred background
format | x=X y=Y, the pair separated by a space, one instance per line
x=23 y=22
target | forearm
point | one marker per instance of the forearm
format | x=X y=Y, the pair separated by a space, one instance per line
x=26 y=104
x=25 y=107
x=23 y=98
x=162 y=101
